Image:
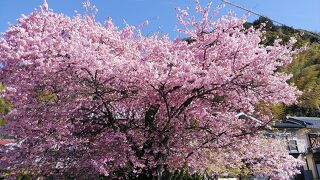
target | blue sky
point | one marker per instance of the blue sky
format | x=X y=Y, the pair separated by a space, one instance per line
x=303 y=14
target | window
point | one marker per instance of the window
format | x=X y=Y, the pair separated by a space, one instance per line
x=314 y=140
x=292 y=146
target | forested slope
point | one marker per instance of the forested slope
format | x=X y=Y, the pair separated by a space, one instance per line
x=305 y=68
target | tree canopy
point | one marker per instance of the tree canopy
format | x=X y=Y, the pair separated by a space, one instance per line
x=95 y=100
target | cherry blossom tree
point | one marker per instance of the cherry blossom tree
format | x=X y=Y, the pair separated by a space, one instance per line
x=92 y=99
x=263 y=157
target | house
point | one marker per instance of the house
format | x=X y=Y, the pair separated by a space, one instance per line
x=6 y=142
x=303 y=141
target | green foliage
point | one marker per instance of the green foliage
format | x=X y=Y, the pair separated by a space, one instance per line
x=183 y=174
x=45 y=96
x=305 y=68
x=5 y=107
x=284 y=33
x=2 y=122
x=306 y=76
x=279 y=111
x=24 y=175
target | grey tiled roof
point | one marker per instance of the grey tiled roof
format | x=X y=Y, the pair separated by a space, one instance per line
x=310 y=122
x=288 y=125
x=299 y=122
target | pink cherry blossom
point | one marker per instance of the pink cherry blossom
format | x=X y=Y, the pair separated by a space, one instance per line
x=92 y=99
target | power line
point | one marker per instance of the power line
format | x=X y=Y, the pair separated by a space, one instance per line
x=261 y=15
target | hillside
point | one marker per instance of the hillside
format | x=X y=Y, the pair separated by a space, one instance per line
x=305 y=68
